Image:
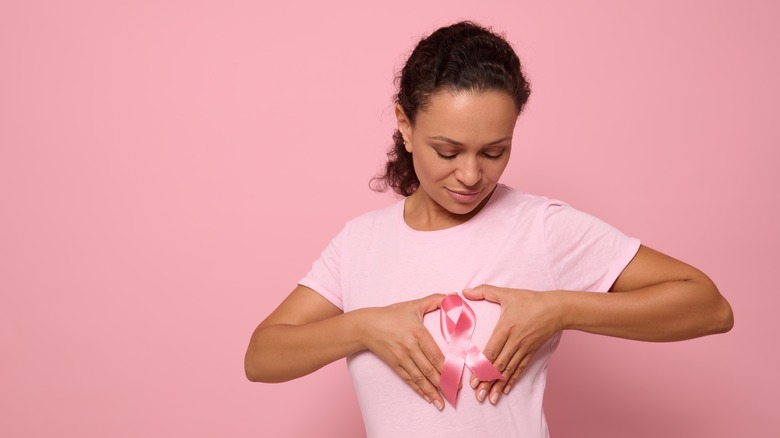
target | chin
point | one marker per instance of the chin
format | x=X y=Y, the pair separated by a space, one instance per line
x=463 y=209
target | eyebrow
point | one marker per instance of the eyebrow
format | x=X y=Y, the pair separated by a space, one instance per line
x=449 y=140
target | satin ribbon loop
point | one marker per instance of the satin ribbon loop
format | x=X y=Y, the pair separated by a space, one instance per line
x=462 y=351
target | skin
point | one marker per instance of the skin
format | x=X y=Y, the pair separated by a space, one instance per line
x=456 y=152
x=461 y=143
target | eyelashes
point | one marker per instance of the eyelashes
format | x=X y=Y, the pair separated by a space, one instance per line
x=446 y=157
x=484 y=154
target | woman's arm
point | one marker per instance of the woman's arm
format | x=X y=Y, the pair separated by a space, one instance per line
x=668 y=301
x=655 y=298
x=307 y=332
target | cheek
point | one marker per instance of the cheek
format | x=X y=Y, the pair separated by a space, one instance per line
x=430 y=168
x=495 y=170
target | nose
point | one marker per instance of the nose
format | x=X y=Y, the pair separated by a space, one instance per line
x=469 y=172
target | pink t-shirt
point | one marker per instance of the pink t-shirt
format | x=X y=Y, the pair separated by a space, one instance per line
x=517 y=240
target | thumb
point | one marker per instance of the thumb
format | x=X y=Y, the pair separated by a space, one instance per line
x=431 y=302
x=484 y=292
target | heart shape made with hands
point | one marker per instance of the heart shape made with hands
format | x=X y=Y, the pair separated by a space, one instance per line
x=461 y=350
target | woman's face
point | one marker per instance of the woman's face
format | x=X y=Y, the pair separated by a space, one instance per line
x=460 y=145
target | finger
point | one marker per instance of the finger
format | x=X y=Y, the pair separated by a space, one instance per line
x=495 y=345
x=484 y=292
x=426 y=368
x=432 y=352
x=518 y=371
x=509 y=372
x=509 y=358
x=409 y=381
x=430 y=303
x=495 y=387
x=418 y=379
x=482 y=390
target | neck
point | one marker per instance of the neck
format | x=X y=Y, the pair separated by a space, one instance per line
x=423 y=214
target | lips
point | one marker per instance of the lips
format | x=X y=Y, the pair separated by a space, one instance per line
x=464 y=196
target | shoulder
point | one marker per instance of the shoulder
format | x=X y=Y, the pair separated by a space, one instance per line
x=375 y=219
x=518 y=203
x=549 y=215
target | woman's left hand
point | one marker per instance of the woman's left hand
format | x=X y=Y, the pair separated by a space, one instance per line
x=528 y=319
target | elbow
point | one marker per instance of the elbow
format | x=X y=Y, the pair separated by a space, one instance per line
x=724 y=317
x=253 y=365
x=720 y=316
x=251 y=371
x=256 y=360
x=260 y=369
x=255 y=373
x=251 y=374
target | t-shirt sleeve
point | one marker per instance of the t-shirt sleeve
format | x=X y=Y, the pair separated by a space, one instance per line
x=325 y=274
x=584 y=252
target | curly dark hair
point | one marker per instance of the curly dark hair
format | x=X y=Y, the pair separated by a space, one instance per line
x=461 y=57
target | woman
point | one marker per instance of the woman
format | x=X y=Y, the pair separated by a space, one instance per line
x=529 y=266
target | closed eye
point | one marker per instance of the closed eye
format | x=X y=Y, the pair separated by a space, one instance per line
x=493 y=156
x=446 y=157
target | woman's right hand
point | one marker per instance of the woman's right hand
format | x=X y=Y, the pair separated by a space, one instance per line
x=307 y=332
x=397 y=336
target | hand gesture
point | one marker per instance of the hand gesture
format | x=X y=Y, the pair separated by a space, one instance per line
x=528 y=319
x=397 y=336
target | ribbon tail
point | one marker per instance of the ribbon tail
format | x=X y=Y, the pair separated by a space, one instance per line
x=450 y=376
x=481 y=366
x=452 y=370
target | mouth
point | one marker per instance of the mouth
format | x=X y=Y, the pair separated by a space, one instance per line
x=464 y=196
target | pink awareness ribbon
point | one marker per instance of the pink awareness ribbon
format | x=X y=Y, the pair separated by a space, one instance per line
x=462 y=350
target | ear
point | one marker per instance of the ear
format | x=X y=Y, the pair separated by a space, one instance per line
x=404 y=126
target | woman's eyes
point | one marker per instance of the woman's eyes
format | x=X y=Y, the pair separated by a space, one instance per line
x=485 y=154
x=446 y=157
x=493 y=156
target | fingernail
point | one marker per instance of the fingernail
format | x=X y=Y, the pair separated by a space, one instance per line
x=481 y=395
x=494 y=397
x=474 y=382
x=428 y=399
x=506 y=389
x=468 y=290
x=438 y=404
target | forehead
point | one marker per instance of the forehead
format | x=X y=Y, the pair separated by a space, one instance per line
x=468 y=115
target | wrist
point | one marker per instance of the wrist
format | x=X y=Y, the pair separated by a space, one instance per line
x=359 y=326
x=561 y=308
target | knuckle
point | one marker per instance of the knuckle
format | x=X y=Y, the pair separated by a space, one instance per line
x=395 y=357
x=418 y=380
x=503 y=329
x=407 y=341
x=427 y=371
x=436 y=358
x=522 y=343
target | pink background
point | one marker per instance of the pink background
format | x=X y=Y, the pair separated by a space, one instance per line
x=169 y=170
